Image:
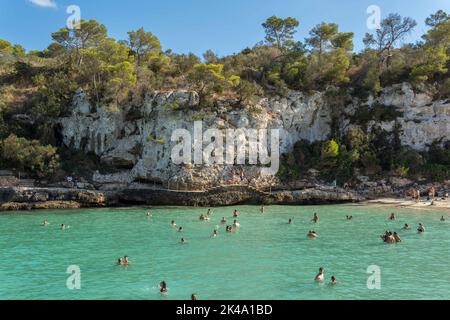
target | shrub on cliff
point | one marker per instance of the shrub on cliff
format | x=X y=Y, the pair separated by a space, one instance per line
x=29 y=156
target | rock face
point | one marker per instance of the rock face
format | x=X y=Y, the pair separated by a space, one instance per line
x=137 y=140
x=14 y=198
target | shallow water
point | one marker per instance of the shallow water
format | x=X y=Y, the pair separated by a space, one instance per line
x=265 y=259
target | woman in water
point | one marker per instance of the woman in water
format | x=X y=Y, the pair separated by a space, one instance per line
x=320 y=276
x=163 y=287
x=312 y=234
x=315 y=218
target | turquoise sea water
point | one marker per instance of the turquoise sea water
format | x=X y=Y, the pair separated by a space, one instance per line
x=266 y=259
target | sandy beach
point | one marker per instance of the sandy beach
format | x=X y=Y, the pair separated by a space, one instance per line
x=423 y=204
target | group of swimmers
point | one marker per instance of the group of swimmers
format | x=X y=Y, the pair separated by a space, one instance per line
x=123 y=262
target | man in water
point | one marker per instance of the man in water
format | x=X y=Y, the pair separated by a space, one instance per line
x=406 y=227
x=235 y=214
x=312 y=234
x=126 y=261
x=163 y=287
x=333 y=280
x=397 y=237
x=320 y=276
x=421 y=228
x=392 y=216
x=315 y=218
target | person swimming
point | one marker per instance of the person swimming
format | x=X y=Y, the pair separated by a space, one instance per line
x=262 y=209
x=442 y=219
x=126 y=261
x=224 y=220
x=349 y=218
x=397 y=237
x=45 y=223
x=333 y=280
x=235 y=214
x=406 y=227
x=163 y=287
x=209 y=213
x=320 y=276
x=388 y=237
x=421 y=228
x=149 y=214
x=312 y=234
x=315 y=218
x=173 y=224
x=229 y=229
x=214 y=234
x=119 y=261
x=392 y=216
x=236 y=224
x=183 y=241
x=63 y=226
x=290 y=221
x=180 y=229
x=194 y=297
x=204 y=217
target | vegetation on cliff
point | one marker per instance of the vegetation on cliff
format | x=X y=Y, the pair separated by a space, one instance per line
x=39 y=85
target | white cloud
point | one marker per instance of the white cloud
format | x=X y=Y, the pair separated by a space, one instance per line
x=44 y=3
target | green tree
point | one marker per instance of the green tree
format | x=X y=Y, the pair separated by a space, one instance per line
x=280 y=31
x=143 y=44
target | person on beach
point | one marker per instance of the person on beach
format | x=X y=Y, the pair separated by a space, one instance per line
x=315 y=218
x=406 y=227
x=421 y=228
x=224 y=220
x=392 y=217
x=126 y=261
x=442 y=219
x=235 y=214
x=312 y=234
x=320 y=276
x=333 y=280
x=236 y=224
x=163 y=287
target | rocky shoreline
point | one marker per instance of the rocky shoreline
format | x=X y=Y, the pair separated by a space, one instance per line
x=33 y=198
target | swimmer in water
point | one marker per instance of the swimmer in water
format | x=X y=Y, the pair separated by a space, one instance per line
x=235 y=214
x=173 y=224
x=180 y=229
x=290 y=221
x=229 y=229
x=163 y=287
x=236 y=224
x=312 y=234
x=45 y=223
x=349 y=218
x=183 y=241
x=392 y=217
x=315 y=218
x=63 y=227
x=119 y=262
x=320 y=276
x=214 y=234
x=149 y=214
x=224 y=220
x=421 y=228
x=126 y=261
x=209 y=213
x=442 y=219
x=406 y=227
x=262 y=209
x=194 y=297
x=397 y=237
x=333 y=280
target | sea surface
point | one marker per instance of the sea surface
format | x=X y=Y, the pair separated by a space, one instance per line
x=266 y=258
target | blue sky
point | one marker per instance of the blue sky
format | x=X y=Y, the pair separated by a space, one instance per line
x=225 y=26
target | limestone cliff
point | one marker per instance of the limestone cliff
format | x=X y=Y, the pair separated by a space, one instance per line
x=137 y=140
